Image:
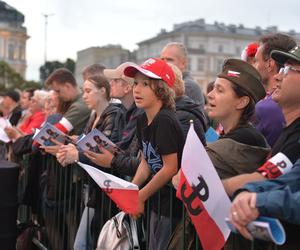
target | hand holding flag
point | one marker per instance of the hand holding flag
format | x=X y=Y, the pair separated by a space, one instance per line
x=123 y=193
x=203 y=194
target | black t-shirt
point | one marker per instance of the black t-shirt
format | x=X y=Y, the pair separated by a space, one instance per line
x=162 y=137
x=288 y=142
x=247 y=135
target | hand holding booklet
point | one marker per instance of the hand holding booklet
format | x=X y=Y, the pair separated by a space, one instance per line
x=4 y=123
x=264 y=228
x=94 y=141
x=49 y=135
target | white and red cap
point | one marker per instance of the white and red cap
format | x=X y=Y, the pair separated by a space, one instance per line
x=249 y=51
x=153 y=68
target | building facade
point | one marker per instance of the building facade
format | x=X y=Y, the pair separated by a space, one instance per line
x=13 y=37
x=110 y=56
x=208 y=45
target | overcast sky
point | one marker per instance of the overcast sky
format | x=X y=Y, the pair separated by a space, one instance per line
x=79 y=24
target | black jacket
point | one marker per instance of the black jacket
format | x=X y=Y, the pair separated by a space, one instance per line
x=128 y=133
x=15 y=115
x=126 y=163
x=111 y=124
x=186 y=110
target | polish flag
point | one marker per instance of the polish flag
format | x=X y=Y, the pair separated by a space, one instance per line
x=123 y=193
x=203 y=195
x=64 y=125
x=233 y=73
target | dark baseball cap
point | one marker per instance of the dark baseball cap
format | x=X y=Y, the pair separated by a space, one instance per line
x=244 y=75
x=12 y=94
x=282 y=57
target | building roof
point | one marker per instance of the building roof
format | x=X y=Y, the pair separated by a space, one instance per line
x=199 y=26
x=8 y=14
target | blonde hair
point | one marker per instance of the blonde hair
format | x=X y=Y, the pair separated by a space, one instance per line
x=178 y=86
x=41 y=96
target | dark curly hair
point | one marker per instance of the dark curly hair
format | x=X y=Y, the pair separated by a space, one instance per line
x=163 y=93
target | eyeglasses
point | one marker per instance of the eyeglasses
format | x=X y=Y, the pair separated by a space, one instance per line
x=285 y=70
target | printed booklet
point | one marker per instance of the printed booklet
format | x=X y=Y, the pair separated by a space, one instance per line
x=49 y=135
x=94 y=140
x=264 y=228
x=4 y=123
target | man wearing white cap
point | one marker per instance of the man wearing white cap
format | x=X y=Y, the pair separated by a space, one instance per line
x=121 y=88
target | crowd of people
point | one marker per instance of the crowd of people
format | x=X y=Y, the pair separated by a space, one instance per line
x=254 y=105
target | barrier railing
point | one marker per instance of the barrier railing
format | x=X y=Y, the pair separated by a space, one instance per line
x=61 y=198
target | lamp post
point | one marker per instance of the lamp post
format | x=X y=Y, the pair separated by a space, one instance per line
x=46 y=26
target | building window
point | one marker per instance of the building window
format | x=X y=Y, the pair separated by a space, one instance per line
x=11 y=51
x=22 y=53
x=202 y=48
x=220 y=49
x=201 y=64
x=238 y=51
x=219 y=65
x=189 y=64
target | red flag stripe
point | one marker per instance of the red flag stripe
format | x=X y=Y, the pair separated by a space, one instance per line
x=128 y=204
x=64 y=125
x=61 y=128
x=210 y=235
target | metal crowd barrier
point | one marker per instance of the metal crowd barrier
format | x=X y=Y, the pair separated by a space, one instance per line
x=60 y=202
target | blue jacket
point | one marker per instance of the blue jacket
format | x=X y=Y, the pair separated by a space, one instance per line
x=280 y=197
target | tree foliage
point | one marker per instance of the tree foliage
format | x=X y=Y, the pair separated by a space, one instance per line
x=10 y=79
x=50 y=66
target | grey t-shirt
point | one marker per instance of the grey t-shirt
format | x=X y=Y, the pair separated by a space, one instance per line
x=78 y=115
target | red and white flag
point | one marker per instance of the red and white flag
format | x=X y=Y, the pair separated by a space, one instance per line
x=123 y=193
x=233 y=73
x=64 y=125
x=203 y=194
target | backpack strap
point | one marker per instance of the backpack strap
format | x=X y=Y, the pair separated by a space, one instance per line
x=134 y=233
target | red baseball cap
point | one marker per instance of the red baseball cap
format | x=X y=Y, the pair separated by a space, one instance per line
x=153 y=68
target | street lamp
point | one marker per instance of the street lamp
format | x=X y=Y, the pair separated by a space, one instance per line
x=46 y=26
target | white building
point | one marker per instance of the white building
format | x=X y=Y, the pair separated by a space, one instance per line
x=110 y=56
x=207 y=44
x=13 y=37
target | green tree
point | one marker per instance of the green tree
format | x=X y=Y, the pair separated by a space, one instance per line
x=70 y=64
x=10 y=79
x=50 y=66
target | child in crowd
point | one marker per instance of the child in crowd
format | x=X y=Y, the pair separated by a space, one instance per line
x=161 y=141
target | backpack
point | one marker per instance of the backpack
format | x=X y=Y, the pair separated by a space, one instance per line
x=119 y=233
x=26 y=232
